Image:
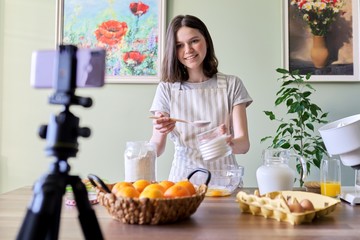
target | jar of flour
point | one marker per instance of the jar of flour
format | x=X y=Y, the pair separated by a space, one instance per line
x=140 y=161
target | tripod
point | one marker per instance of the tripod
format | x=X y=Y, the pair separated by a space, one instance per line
x=42 y=219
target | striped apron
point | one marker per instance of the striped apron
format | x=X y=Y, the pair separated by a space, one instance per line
x=197 y=104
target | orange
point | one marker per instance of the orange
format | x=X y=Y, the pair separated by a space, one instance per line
x=166 y=184
x=128 y=191
x=151 y=193
x=155 y=186
x=120 y=185
x=141 y=184
x=188 y=185
x=177 y=191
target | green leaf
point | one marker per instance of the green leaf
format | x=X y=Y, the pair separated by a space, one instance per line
x=324 y=115
x=278 y=143
x=309 y=86
x=295 y=107
x=306 y=94
x=270 y=114
x=310 y=126
x=289 y=102
x=265 y=138
x=305 y=117
x=295 y=72
x=308 y=76
x=282 y=70
x=285 y=145
x=287 y=83
x=317 y=162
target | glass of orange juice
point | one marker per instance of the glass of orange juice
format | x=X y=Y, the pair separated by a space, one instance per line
x=330 y=177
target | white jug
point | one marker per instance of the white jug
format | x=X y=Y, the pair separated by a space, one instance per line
x=275 y=173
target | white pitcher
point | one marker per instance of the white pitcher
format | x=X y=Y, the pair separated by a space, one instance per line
x=275 y=174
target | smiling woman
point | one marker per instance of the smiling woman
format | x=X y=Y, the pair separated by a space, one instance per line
x=193 y=89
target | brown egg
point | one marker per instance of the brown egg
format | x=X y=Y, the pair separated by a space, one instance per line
x=296 y=207
x=307 y=205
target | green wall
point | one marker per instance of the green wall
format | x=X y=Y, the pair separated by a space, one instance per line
x=248 y=41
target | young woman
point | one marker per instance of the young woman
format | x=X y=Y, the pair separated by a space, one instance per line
x=191 y=88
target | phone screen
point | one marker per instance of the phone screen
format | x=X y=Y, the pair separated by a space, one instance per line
x=90 y=71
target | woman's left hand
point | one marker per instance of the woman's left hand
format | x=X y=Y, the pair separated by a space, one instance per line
x=224 y=130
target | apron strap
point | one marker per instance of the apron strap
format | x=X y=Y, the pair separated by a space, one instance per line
x=221 y=80
x=176 y=86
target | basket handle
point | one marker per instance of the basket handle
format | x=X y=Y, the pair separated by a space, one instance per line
x=201 y=170
x=92 y=178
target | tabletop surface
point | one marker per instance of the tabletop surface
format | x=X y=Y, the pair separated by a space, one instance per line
x=216 y=218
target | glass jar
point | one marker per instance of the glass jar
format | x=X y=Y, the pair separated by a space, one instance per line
x=330 y=177
x=275 y=174
x=140 y=161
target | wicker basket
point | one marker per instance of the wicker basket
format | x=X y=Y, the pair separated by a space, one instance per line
x=149 y=211
x=312 y=186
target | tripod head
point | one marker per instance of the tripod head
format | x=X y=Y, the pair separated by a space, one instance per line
x=63 y=130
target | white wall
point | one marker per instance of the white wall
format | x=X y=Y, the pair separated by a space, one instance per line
x=248 y=41
x=1 y=74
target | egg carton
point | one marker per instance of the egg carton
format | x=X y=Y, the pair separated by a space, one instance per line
x=275 y=205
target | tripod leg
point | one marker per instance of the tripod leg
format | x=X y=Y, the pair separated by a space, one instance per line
x=87 y=217
x=43 y=215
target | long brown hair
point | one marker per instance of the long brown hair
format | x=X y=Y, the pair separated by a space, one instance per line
x=172 y=70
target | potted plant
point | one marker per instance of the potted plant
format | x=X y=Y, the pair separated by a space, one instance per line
x=296 y=130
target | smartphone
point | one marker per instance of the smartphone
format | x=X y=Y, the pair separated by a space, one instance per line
x=90 y=70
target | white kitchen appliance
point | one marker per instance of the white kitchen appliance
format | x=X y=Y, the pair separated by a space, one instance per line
x=342 y=137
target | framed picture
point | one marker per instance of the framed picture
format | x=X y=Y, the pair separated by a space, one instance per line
x=322 y=37
x=131 y=32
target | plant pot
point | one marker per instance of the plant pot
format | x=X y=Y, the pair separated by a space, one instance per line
x=319 y=52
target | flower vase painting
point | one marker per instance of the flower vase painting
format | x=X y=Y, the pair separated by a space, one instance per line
x=131 y=32
x=322 y=38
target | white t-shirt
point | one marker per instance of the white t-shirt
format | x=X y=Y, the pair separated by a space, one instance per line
x=236 y=92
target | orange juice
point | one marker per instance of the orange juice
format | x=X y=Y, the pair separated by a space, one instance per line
x=331 y=189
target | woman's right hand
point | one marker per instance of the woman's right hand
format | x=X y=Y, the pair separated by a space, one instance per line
x=164 y=124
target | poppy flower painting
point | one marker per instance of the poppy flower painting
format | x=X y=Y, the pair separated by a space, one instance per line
x=130 y=31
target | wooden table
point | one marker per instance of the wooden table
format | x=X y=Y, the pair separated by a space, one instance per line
x=216 y=218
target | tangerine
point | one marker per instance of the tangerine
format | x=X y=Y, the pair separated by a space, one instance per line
x=128 y=191
x=120 y=185
x=177 y=191
x=141 y=184
x=166 y=184
x=155 y=186
x=151 y=193
x=188 y=185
